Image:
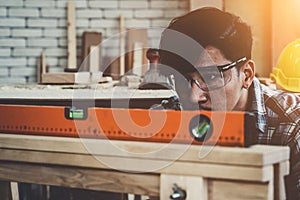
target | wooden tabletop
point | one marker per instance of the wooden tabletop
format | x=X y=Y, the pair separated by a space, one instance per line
x=141 y=167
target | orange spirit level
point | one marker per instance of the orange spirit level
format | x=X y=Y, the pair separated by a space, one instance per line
x=192 y=127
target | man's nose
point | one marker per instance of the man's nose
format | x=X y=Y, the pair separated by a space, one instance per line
x=198 y=95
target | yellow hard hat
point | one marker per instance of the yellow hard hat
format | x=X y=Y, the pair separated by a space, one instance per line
x=287 y=72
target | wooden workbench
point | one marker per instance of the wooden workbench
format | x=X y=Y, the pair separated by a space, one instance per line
x=145 y=168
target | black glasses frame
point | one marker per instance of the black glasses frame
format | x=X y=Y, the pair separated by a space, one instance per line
x=221 y=68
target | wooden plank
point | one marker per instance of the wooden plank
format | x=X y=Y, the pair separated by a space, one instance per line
x=72 y=64
x=41 y=67
x=43 y=62
x=14 y=191
x=195 y=187
x=138 y=55
x=66 y=78
x=90 y=39
x=141 y=165
x=92 y=179
x=140 y=37
x=280 y=170
x=112 y=67
x=222 y=189
x=195 y=4
x=94 y=59
x=257 y=155
x=122 y=46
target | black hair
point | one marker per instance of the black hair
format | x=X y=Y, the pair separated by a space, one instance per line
x=204 y=26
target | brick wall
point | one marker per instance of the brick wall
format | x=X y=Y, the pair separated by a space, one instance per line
x=27 y=27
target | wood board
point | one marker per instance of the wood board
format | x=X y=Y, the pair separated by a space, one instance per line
x=90 y=39
x=137 y=38
x=72 y=56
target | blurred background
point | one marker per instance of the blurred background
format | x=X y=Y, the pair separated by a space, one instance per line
x=29 y=27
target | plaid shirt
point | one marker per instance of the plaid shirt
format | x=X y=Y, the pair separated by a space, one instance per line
x=278 y=123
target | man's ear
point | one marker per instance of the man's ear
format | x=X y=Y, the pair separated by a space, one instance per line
x=248 y=72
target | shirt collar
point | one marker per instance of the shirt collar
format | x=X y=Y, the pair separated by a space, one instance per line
x=256 y=105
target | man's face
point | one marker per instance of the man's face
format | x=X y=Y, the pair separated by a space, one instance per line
x=223 y=96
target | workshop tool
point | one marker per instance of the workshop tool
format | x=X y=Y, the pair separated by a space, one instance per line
x=196 y=127
x=178 y=193
x=152 y=78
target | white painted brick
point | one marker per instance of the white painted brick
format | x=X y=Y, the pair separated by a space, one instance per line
x=21 y=12
x=62 y=23
x=78 y=3
x=133 y=4
x=32 y=79
x=13 y=80
x=89 y=13
x=11 y=3
x=135 y=23
x=3 y=12
x=42 y=42
x=4 y=32
x=42 y=22
x=5 y=52
x=117 y=13
x=154 y=43
x=13 y=62
x=62 y=42
x=3 y=71
x=59 y=32
x=111 y=52
x=174 y=13
x=62 y=62
x=81 y=4
x=183 y=4
x=54 y=69
x=57 y=13
x=155 y=32
x=62 y=3
x=27 y=51
x=104 y=23
x=111 y=42
x=32 y=61
x=52 y=61
x=59 y=52
x=83 y=23
x=12 y=42
x=26 y=32
x=148 y=13
x=103 y=4
x=39 y=3
x=81 y=30
x=78 y=41
x=11 y=22
x=163 y=23
x=111 y=31
x=164 y=4
x=22 y=71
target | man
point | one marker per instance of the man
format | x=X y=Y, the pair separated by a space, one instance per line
x=208 y=52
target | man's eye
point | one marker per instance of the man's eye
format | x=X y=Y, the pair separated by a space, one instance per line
x=213 y=76
x=210 y=77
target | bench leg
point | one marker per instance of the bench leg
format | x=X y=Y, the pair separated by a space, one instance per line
x=5 y=190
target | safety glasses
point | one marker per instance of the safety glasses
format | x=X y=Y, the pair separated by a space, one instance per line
x=213 y=77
